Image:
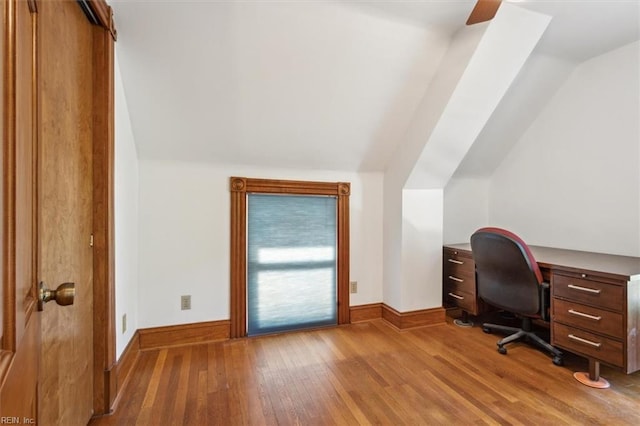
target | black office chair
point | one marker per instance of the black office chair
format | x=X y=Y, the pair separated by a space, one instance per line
x=508 y=277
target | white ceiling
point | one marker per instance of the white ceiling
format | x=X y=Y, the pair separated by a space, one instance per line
x=580 y=29
x=322 y=84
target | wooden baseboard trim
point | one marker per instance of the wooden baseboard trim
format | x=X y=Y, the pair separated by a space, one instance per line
x=127 y=361
x=362 y=313
x=124 y=367
x=399 y=320
x=413 y=319
x=184 y=334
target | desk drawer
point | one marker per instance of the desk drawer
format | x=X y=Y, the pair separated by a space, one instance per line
x=459 y=281
x=458 y=259
x=588 y=318
x=587 y=344
x=460 y=264
x=462 y=299
x=594 y=293
x=462 y=271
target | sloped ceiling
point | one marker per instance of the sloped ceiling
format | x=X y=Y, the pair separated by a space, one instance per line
x=324 y=84
x=494 y=64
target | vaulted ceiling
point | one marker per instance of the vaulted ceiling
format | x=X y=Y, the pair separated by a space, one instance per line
x=326 y=84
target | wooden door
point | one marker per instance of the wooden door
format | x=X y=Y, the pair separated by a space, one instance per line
x=56 y=112
x=65 y=210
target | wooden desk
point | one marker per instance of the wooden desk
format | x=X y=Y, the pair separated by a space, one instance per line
x=595 y=301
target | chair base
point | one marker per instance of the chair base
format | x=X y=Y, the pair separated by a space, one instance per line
x=523 y=333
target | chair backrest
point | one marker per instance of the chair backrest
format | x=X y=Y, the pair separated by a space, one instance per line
x=507 y=274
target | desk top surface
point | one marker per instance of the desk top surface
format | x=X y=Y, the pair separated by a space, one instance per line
x=627 y=267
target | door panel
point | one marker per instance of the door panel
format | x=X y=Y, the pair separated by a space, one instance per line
x=25 y=166
x=65 y=205
x=20 y=342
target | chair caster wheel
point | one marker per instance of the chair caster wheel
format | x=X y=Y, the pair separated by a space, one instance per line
x=557 y=360
x=502 y=350
x=486 y=330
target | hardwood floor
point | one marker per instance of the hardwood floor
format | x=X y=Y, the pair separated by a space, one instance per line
x=368 y=373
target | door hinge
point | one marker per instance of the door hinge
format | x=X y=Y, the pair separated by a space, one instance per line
x=91 y=241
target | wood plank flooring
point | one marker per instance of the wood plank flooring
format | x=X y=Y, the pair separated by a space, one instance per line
x=368 y=373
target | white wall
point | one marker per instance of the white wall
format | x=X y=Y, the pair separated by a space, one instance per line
x=457 y=105
x=421 y=283
x=126 y=219
x=184 y=237
x=573 y=179
x=466 y=208
x=397 y=280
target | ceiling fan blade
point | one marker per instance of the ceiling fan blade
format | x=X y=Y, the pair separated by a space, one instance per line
x=483 y=11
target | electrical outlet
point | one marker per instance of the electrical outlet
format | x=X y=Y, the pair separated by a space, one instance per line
x=353 y=286
x=124 y=323
x=185 y=302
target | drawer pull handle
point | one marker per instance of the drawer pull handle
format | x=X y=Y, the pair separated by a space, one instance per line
x=582 y=314
x=588 y=290
x=588 y=342
x=456 y=279
x=457 y=262
x=455 y=296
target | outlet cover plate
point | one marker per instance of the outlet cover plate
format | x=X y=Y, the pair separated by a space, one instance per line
x=185 y=302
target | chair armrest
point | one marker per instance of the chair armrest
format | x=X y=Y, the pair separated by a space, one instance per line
x=545 y=301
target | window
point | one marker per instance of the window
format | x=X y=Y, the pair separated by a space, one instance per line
x=270 y=258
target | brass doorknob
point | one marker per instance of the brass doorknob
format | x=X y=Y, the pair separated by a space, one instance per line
x=63 y=295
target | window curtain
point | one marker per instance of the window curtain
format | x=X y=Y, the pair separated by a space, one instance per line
x=291 y=262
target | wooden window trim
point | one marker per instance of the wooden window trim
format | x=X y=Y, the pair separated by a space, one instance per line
x=239 y=187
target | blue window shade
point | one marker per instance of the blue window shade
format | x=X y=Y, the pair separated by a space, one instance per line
x=291 y=259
